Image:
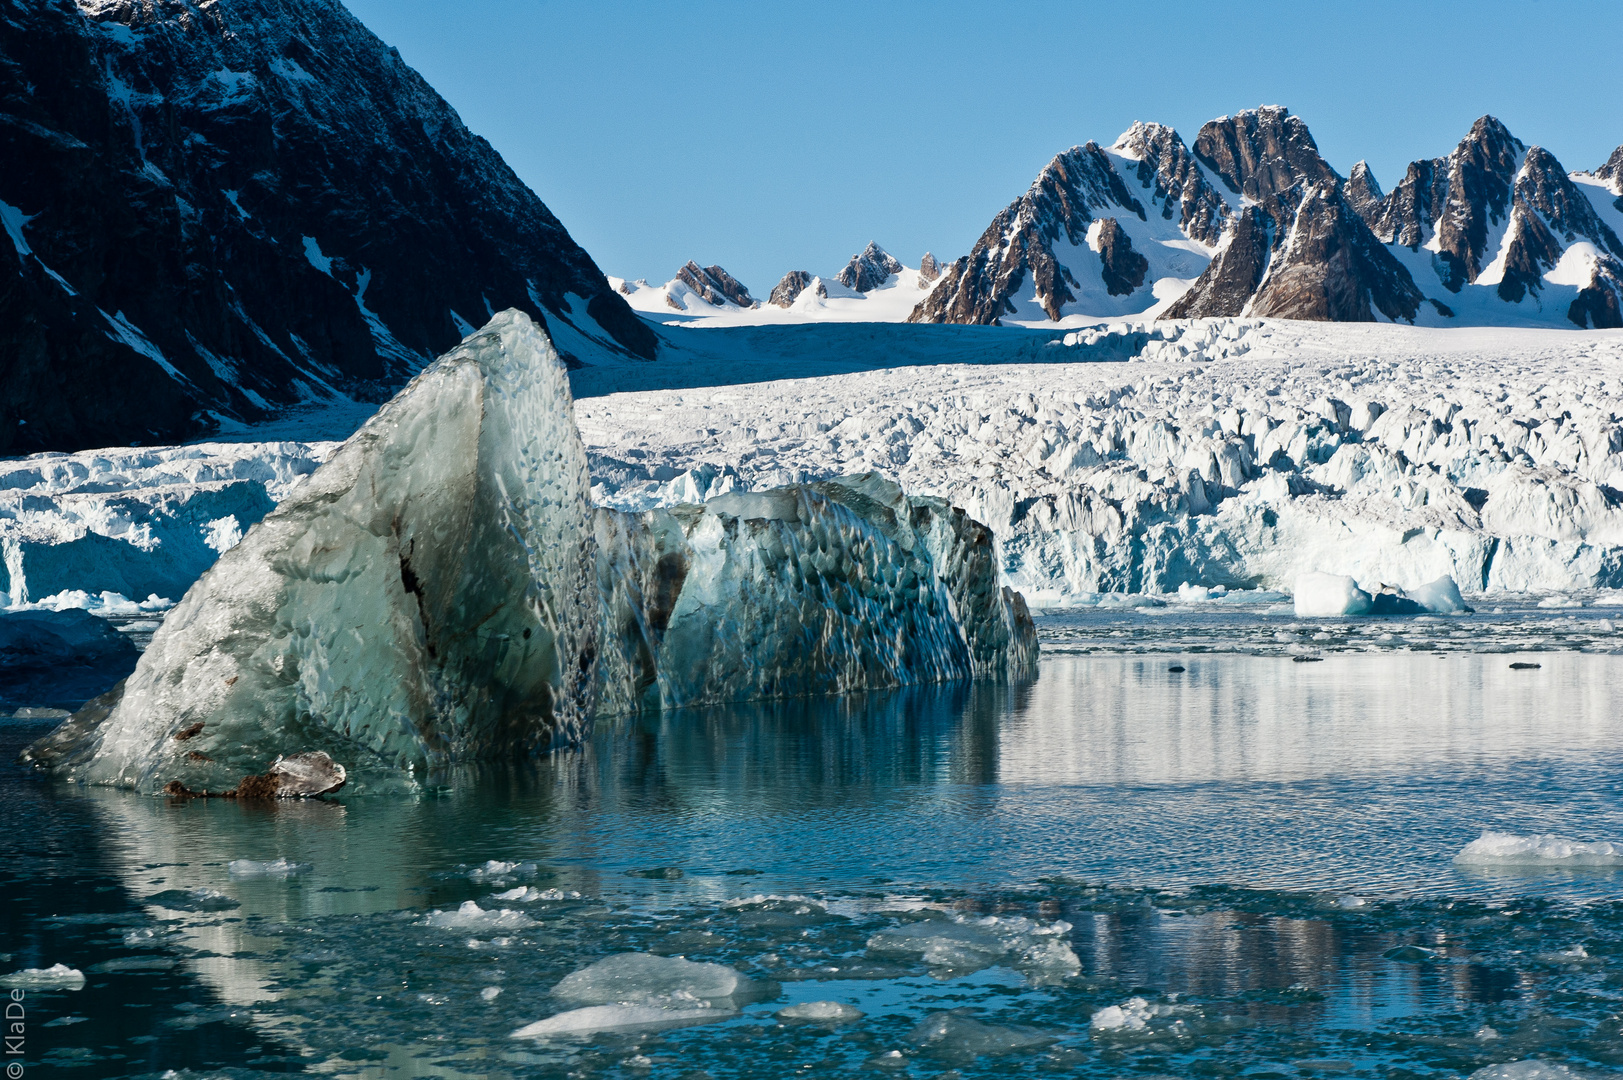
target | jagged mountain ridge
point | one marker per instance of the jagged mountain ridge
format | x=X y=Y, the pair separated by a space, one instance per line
x=873 y=286
x=217 y=209
x=1251 y=219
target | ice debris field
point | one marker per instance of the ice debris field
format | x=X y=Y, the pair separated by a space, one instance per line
x=1158 y=460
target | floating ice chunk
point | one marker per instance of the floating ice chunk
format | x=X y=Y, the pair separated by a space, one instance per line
x=619 y=1018
x=441 y=589
x=1137 y=1015
x=968 y=943
x=528 y=894
x=1196 y=594
x=959 y=1036
x=1559 y=601
x=837 y=1012
x=490 y=993
x=1527 y=1070
x=202 y=899
x=1321 y=595
x=1508 y=849
x=495 y=870
x=1441 y=597
x=277 y=868
x=470 y=916
x=665 y=981
x=55 y=977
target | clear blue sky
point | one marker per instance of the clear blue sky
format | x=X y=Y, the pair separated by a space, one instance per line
x=776 y=136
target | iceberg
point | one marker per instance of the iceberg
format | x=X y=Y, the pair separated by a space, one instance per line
x=442 y=590
x=1546 y=850
x=1321 y=595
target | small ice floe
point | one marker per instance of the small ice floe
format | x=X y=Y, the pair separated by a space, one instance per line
x=193 y=900
x=637 y=991
x=596 y=1018
x=1200 y=594
x=968 y=943
x=55 y=977
x=496 y=870
x=1509 y=849
x=1560 y=601
x=276 y=868
x=1527 y=1070
x=1350 y=902
x=470 y=916
x=826 y=1012
x=490 y=993
x=954 y=1035
x=529 y=894
x=1137 y=1016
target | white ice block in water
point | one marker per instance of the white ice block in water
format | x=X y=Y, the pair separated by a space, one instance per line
x=618 y=1018
x=1441 y=596
x=968 y=943
x=1320 y=595
x=1509 y=849
x=441 y=590
x=837 y=1012
x=668 y=981
x=55 y=977
x=1528 y=1070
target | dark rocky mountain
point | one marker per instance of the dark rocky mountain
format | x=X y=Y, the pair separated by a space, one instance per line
x=1236 y=270
x=793 y=284
x=1612 y=172
x=216 y=209
x=869 y=270
x=1124 y=268
x=714 y=286
x=1043 y=249
x=1330 y=267
x=929 y=269
x=1265 y=226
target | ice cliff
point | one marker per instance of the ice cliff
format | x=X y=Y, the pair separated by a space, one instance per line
x=442 y=589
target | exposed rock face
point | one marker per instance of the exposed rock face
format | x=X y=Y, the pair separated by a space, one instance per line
x=869 y=270
x=1600 y=303
x=1268 y=156
x=1021 y=241
x=226 y=208
x=1123 y=267
x=715 y=285
x=929 y=269
x=1405 y=217
x=1174 y=180
x=1612 y=171
x=1329 y=267
x=1363 y=193
x=1236 y=270
x=792 y=285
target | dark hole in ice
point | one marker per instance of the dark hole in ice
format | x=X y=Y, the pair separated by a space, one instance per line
x=526 y=634
x=1306 y=659
x=1522 y=665
x=1178 y=668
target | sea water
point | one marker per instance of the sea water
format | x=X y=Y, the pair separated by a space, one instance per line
x=1246 y=867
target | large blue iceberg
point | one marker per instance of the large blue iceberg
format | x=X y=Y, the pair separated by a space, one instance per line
x=443 y=590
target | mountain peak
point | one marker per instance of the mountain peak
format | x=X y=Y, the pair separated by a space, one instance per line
x=869 y=270
x=715 y=286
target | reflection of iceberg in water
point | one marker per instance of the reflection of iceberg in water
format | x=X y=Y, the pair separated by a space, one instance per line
x=442 y=590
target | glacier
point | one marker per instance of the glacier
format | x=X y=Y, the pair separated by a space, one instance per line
x=442 y=589
x=1239 y=453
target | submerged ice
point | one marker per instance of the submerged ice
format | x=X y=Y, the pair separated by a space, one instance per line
x=442 y=589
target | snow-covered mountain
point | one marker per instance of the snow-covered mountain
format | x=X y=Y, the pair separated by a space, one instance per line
x=218 y=209
x=1253 y=221
x=874 y=286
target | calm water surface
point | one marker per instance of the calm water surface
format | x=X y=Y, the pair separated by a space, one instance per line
x=1260 y=852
